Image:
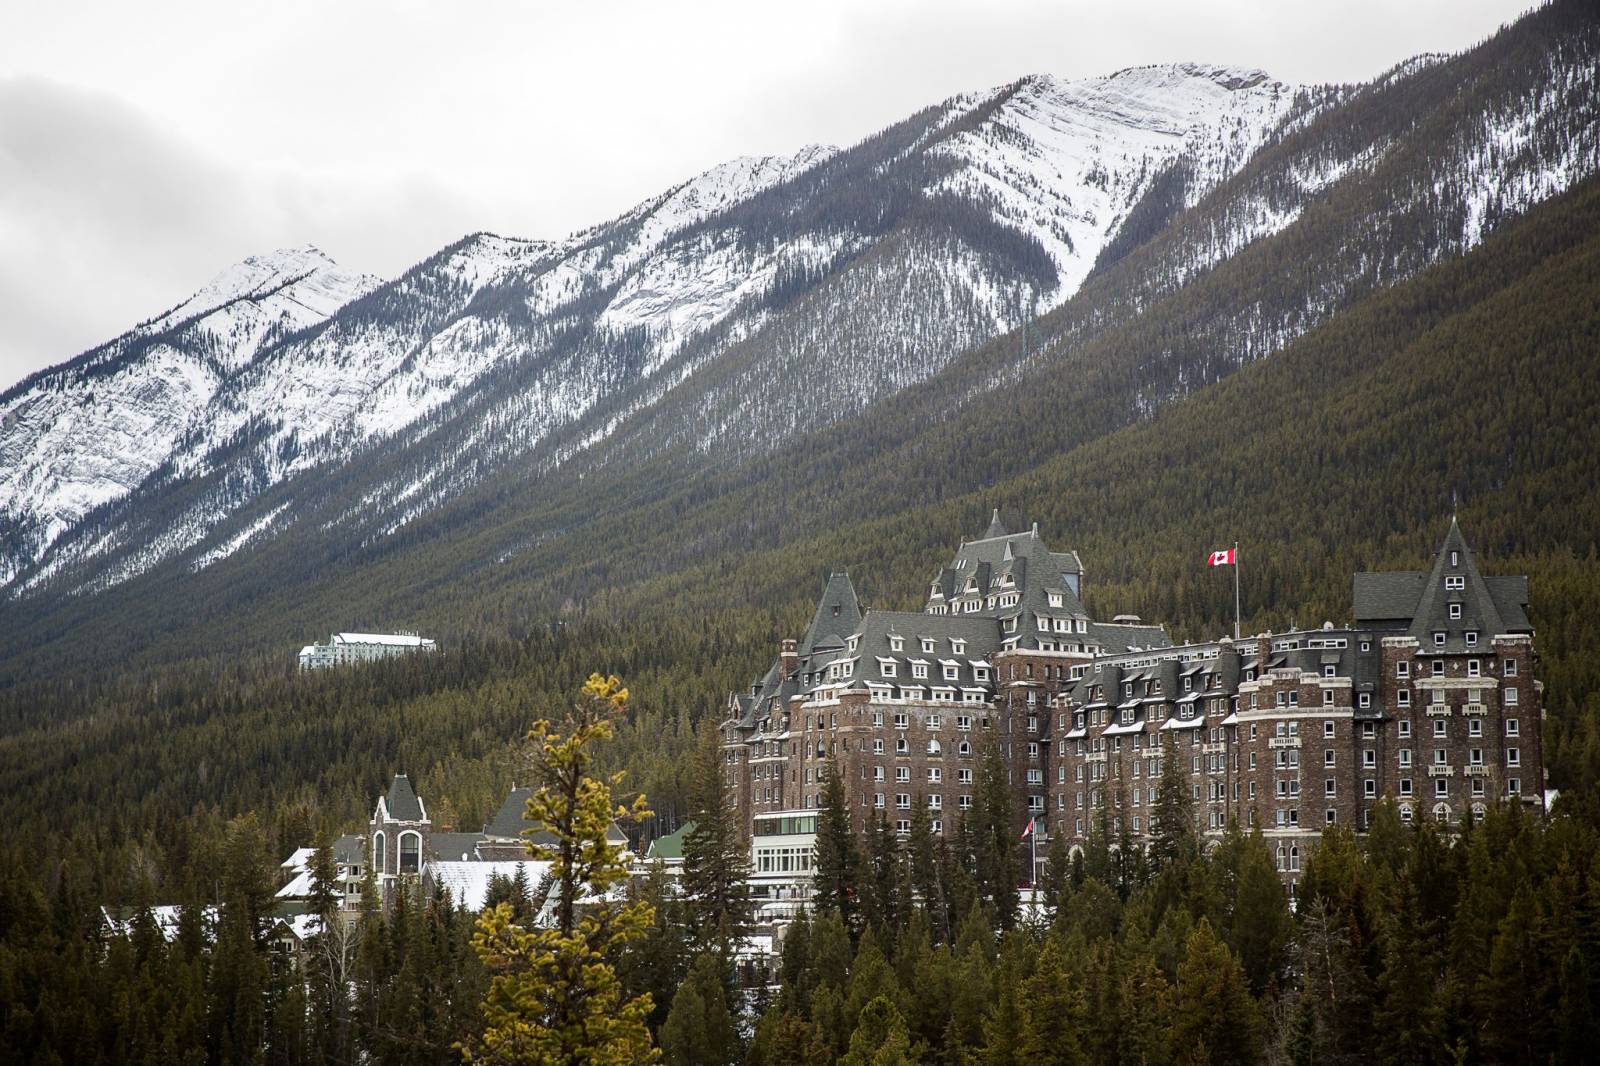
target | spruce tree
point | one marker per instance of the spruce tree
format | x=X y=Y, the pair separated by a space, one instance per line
x=880 y=1038
x=699 y=1029
x=837 y=885
x=995 y=843
x=1173 y=840
x=716 y=861
x=1214 y=1018
x=1053 y=1011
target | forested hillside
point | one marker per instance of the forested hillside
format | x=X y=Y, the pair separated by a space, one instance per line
x=764 y=447
x=1342 y=453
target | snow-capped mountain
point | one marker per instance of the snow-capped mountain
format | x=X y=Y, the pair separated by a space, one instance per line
x=88 y=432
x=1043 y=170
x=773 y=297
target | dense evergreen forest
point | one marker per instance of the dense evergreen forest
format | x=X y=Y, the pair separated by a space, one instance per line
x=189 y=773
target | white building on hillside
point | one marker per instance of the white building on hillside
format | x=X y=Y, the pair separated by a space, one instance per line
x=344 y=648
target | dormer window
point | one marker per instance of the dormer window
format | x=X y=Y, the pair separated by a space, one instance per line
x=1055 y=599
x=1438 y=640
x=853 y=642
x=958 y=647
x=897 y=643
x=1455 y=582
x=927 y=644
x=1455 y=610
x=1455 y=557
x=1472 y=639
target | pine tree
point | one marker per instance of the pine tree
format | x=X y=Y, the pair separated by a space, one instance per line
x=1173 y=841
x=1259 y=925
x=554 y=996
x=995 y=837
x=1052 y=1011
x=716 y=862
x=1213 y=1012
x=880 y=1038
x=881 y=885
x=699 y=1030
x=837 y=882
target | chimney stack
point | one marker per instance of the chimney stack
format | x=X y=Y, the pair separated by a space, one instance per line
x=788 y=660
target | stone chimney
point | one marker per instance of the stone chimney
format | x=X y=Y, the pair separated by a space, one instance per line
x=788 y=660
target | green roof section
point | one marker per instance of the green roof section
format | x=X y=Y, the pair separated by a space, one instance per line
x=671 y=845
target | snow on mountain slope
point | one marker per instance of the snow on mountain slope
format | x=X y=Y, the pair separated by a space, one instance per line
x=1066 y=161
x=86 y=433
x=569 y=328
x=772 y=296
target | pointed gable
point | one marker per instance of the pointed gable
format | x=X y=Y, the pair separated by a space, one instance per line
x=996 y=527
x=1455 y=581
x=838 y=615
x=402 y=802
x=1422 y=603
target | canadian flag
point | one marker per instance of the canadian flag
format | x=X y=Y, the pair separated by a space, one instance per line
x=1225 y=557
x=1028 y=832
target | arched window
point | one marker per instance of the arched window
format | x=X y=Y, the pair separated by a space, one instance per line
x=410 y=853
x=379 y=853
x=1282 y=856
x=1441 y=812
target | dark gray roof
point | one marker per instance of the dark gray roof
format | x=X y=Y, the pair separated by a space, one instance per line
x=1389 y=597
x=402 y=802
x=453 y=847
x=838 y=615
x=347 y=849
x=980 y=636
x=996 y=527
x=1420 y=604
x=508 y=823
x=1115 y=639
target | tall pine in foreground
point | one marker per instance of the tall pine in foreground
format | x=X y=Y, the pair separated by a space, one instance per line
x=555 y=996
x=837 y=882
x=716 y=863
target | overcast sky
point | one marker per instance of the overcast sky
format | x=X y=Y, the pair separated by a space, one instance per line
x=145 y=146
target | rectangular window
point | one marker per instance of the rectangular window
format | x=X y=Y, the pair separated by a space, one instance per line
x=1513 y=727
x=1369 y=788
x=1405 y=728
x=1511 y=668
x=1513 y=757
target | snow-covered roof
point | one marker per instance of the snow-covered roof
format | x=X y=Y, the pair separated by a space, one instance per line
x=299 y=861
x=468 y=882
x=399 y=640
x=166 y=918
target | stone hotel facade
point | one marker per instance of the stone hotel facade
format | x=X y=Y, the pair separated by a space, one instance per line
x=1430 y=697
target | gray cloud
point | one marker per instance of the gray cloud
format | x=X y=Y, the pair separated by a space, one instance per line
x=145 y=147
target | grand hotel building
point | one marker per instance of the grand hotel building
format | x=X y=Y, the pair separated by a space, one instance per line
x=1430 y=698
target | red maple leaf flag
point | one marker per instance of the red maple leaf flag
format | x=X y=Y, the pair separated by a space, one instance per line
x=1225 y=557
x=1026 y=833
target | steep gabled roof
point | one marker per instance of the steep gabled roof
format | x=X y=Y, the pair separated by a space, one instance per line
x=1420 y=603
x=402 y=802
x=838 y=615
x=996 y=527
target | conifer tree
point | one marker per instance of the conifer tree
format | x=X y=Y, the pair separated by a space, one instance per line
x=1172 y=840
x=1214 y=1018
x=716 y=863
x=1052 y=1011
x=699 y=1029
x=996 y=854
x=1259 y=925
x=881 y=885
x=554 y=996
x=880 y=1038
x=838 y=877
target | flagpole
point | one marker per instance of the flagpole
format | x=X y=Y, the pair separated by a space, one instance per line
x=1235 y=590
